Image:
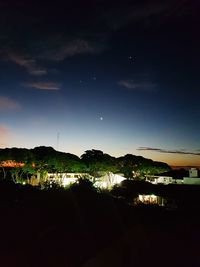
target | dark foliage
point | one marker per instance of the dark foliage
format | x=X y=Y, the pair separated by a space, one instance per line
x=59 y=227
x=92 y=161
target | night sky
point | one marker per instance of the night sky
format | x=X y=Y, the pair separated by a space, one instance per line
x=119 y=76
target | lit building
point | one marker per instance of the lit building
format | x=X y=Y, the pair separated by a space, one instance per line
x=66 y=179
x=155 y=179
x=193 y=179
x=149 y=200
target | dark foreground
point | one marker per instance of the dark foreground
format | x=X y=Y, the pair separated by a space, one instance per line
x=81 y=227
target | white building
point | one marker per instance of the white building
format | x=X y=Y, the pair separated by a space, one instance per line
x=66 y=179
x=193 y=179
x=154 y=179
x=193 y=173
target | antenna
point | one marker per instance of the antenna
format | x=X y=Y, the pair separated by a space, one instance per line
x=58 y=137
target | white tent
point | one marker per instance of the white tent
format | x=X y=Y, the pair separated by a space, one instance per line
x=109 y=180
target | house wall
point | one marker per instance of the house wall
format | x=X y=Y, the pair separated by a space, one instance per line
x=188 y=180
x=66 y=179
x=164 y=180
x=177 y=181
x=193 y=173
x=159 y=179
x=66 y=175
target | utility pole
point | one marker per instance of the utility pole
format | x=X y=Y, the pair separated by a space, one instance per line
x=58 y=139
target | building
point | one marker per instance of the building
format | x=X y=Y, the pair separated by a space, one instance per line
x=64 y=179
x=192 y=179
x=156 y=179
x=149 y=200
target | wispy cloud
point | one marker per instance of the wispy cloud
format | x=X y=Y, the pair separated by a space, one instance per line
x=70 y=48
x=133 y=12
x=43 y=85
x=7 y=103
x=154 y=13
x=5 y=136
x=138 y=86
x=27 y=62
x=160 y=150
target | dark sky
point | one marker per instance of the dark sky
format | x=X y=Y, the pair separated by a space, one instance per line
x=120 y=76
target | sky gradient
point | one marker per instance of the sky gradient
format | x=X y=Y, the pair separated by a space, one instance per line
x=122 y=78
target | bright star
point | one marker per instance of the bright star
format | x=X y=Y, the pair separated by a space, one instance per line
x=131 y=58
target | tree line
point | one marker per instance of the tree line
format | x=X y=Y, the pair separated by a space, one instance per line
x=94 y=162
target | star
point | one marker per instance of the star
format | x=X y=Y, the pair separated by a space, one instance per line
x=131 y=58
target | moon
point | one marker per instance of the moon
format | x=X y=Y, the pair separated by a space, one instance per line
x=101 y=118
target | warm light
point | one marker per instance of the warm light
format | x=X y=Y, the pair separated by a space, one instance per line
x=148 y=199
x=11 y=163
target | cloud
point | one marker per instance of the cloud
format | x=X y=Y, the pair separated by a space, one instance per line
x=69 y=49
x=26 y=62
x=138 y=86
x=133 y=12
x=43 y=85
x=160 y=150
x=8 y=104
x=5 y=135
x=149 y=14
